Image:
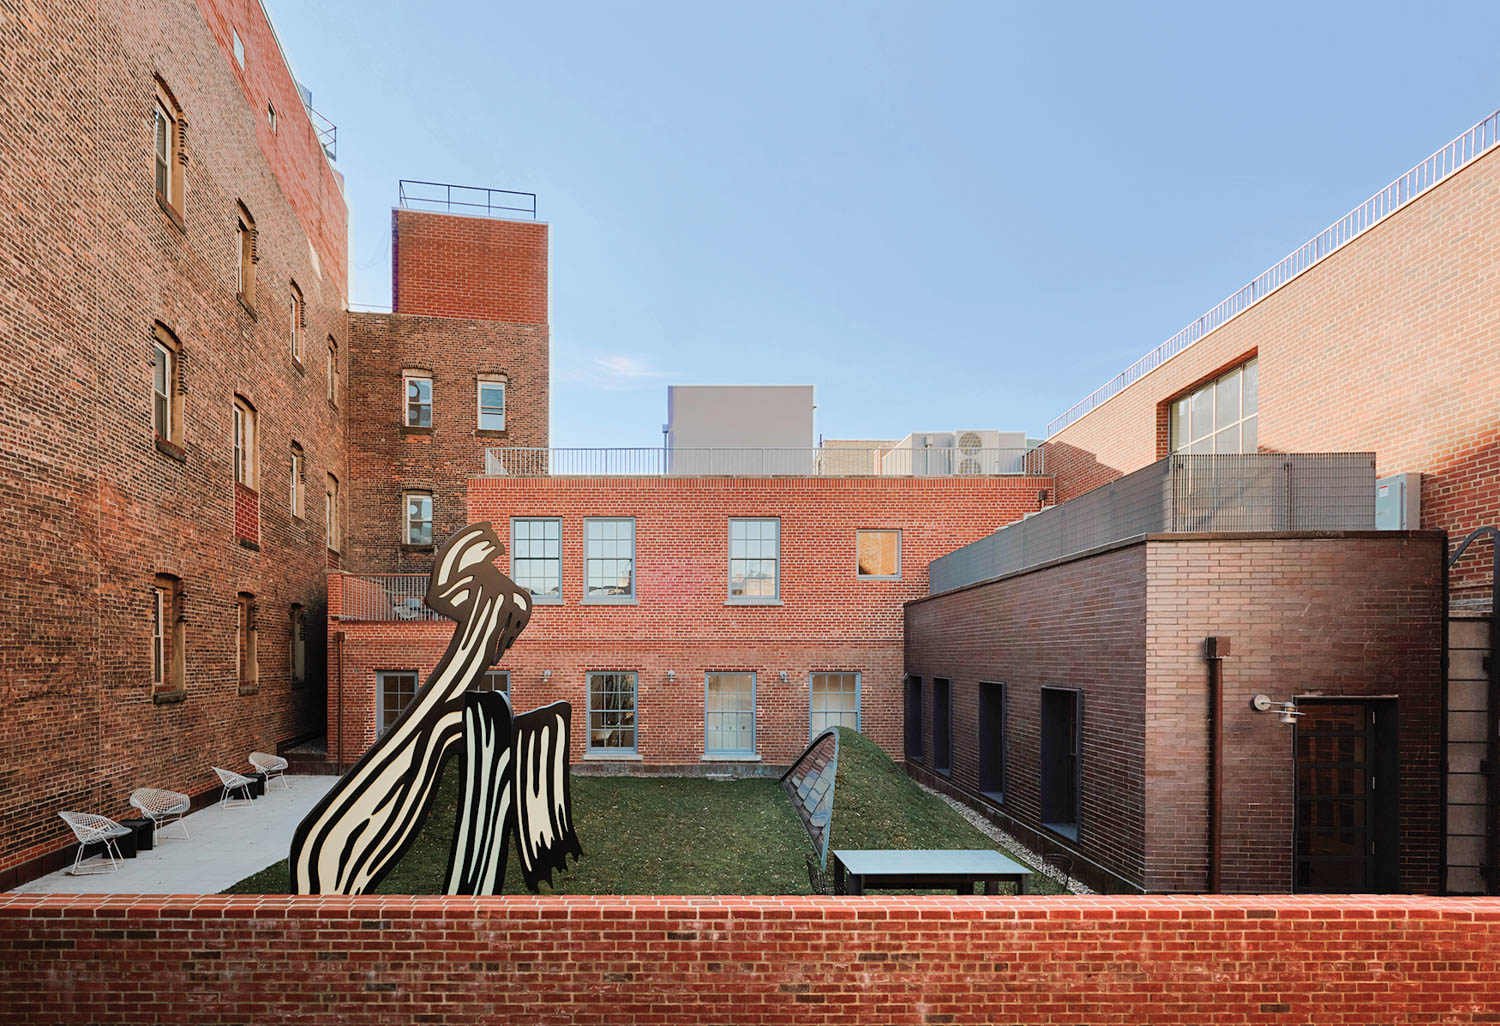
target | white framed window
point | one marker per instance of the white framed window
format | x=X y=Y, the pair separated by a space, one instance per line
x=417 y=528
x=331 y=513
x=244 y=443
x=163 y=126
x=394 y=691
x=159 y=635
x=728 y=714
x=295 y=490
x=239 y=48
x=612 y=720
x=877 y=555
x=294 y=329
x=609 y=559
x=754 y=559
x=163 y=387
x=418 y=391
x=832 y=700
x=536 y=556
x=245 y=234
x=493 y=680
x=1220 y=416
x=492 y=404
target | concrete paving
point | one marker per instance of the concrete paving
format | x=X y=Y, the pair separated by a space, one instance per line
x=226 y=845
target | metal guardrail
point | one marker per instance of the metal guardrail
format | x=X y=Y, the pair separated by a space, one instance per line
x=326 y=131
x=1179 y=494
x=709 y=462
x=385 y=597
x=474 y=200
x=1423 y=176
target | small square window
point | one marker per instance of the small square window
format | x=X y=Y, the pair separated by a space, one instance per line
x=491 y=405
x=395 y=690
x=833 y=701
x=878 y=555
x=493 y=680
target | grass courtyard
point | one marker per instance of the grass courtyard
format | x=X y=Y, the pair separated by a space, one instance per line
x=675 y=835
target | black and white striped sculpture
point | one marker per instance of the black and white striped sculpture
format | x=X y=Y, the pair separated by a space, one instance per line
x=515 y=768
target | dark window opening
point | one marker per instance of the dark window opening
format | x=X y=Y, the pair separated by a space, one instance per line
x=942 y=726
x=992 y=741
x=1061 y=762
x=914 y=719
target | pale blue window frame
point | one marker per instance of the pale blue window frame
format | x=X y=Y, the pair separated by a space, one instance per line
x=816 y=726
x=535 y=542
x=609 y=715
x=717 y=722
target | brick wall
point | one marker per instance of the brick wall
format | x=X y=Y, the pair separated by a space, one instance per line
x=828 y=620
x=93 y=510
x=447 y=265
x=1330 y=615
x=387 y=458
x=1389 y=345
x=626 y=960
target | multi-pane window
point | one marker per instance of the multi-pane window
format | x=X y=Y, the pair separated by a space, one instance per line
x=296 y=317
x=299 y=461
x=609 y=558
x=1221 y=416
x=755 y=558
x=418 y=389
x=166 y=148
x=331 y=513
x=536 y=555
x=164 y=391
x=245 y=640
x=298 y=644
x=167 y=657
x=333 y=372
x=612 y=725
x=833 y=701
x=729 y=714
x=244 y=443
x=493 y=680
x=491 y=404
x=418 y=519
x=394 y=691
x=878 y=555
x=245 y=232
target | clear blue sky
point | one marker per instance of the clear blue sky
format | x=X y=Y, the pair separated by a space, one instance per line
x=941 y=215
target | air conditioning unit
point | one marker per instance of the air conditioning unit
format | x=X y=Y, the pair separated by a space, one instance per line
x=988 y=452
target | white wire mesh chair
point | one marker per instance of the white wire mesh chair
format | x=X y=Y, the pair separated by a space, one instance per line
x=92 y=829
x=273 y=766
x=234 y=782
x=162 y=808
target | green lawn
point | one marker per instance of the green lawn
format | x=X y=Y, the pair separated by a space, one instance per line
x=683 y=835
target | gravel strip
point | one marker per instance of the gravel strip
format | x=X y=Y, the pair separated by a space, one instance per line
x=989 y=829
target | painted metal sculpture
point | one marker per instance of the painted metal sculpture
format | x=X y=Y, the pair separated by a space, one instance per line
x=516 y=768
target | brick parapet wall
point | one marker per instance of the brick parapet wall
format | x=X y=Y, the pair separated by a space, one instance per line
x=450 y=265
x=768 y=960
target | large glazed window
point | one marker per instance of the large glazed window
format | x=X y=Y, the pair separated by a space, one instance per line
x=1221 y=416
x=536 y=555
x=729 y=714
x=833 y=701
x=609 y=559
x=612 y=725
x=755 y=559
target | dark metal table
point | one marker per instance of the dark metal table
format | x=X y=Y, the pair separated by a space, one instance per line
x=926 y=869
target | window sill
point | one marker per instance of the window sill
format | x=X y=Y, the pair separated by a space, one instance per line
x=253 y=546
x=993 y=797
x=946 y=773
x=297 y=366
x=415 y=429
x=876 y=580
x=245 y=303
x=752 y=602
x=612 y=756
x=546 y=600
x=1068 y=830
x=491 y=433
x=168 y=449
x=249 y=689
x=172 y=213
x=417 y=548
x=623 y=600
x=711 y=757
x=169 y=697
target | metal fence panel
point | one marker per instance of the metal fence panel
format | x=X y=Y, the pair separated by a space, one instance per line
x=762 y=462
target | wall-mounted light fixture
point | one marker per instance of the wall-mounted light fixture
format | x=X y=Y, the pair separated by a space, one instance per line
x=546 y=676
x=784 y=676
x=671 y=676
x=1286 y=712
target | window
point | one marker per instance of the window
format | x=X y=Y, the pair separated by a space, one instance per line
x=244 y=639
x=493 y=680
x=914 y=719
x=1061 y=765
x=833 y=701
x=942 y=725
x=244 y=442
x=729 y=714
x=878 y=555
x=609 y=559
x=755 y=559
x=333 y=372
x=295 y=496
x=168 y=130
x=536 y=556
x=331 y=513
x=418 y=519
x=394 y=691
x=612 y=726
x=1221 y=416
x=166 y=403
x=418 y=400
x=297 y=320
x=491 y=404
x=239 y=48
x=248 y=254
x=167 y=656
x=271 y=115
x=298 y=644
x=992 y=741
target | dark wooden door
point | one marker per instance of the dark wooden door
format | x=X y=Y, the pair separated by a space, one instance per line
x=1346 y=764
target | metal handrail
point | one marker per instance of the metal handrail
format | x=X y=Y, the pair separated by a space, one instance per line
x=515 y=461
x=383 y=597
x=413 y=195
x=1423 y=176
x=326 y=131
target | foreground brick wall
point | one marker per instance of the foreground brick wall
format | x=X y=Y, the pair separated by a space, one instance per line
x=1055 y=961
x=1391 y=345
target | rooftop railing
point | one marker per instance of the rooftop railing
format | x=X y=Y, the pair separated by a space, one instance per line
x=326 y=131
x=1440 y=165
x=473 y=200
x=773 y=462
x=385 y=597
x=1175 y=495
